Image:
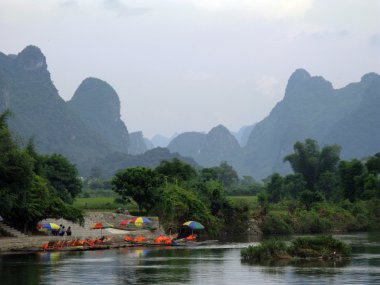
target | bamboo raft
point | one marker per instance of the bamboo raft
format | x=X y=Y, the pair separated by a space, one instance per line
x=114 y=246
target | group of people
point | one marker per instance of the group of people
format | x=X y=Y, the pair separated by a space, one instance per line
x=61 y=231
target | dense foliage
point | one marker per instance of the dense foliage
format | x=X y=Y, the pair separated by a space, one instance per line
x=324 y=193
x=321 y=247
x=177 y=192
x=34 y=187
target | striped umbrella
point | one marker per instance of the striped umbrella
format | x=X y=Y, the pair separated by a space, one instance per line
x=193 y=225
x=48 y=227
x=139 y=221
x=101 y=226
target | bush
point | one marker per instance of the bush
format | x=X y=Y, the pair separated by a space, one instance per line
x=311 y=222
x=276 y=224
x=318 y=246
x=269 y=249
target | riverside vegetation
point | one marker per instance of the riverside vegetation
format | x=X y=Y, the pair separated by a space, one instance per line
x=324 y=194
x=320 y=247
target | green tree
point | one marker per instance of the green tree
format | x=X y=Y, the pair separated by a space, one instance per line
x=26 y=196
x=176 y=170
x=308 y=198
x=373 y=164
x=177 y=205
x=351 y=174
x=63 y=177
x=328 y=184
x=293 y=184
x=140 y=184
x=274 y=188
x=227 y=174
x=311 y=162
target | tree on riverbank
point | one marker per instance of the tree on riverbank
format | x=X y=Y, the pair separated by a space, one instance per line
x=27 y=193
x=324 y=193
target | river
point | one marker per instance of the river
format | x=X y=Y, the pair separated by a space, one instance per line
x=217 y=264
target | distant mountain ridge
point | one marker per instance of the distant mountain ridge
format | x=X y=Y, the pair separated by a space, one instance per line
x=38 y=111
x=87 y=129
x=98 y=105
x=208 y=149
x=311 y=108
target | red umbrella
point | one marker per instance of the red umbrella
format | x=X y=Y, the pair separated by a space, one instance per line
x=101 y=226
x=124 y=223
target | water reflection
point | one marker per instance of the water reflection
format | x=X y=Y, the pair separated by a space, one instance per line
x=204 y=265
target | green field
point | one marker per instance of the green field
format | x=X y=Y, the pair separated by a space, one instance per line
x=250 y=200
x=102 y=203
x=109 y=204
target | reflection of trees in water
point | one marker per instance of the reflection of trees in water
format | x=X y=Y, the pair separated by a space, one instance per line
x=20 y=269
x=151 y=265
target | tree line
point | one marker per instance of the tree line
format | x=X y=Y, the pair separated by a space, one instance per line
x=33 y=186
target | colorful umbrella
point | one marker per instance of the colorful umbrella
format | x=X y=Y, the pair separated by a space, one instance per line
x=101 y=226
x=48 y=227
x=124 y=223
x=139 y=221
x=194 y=225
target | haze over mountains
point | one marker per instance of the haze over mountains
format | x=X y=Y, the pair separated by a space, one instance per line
x=88 y=129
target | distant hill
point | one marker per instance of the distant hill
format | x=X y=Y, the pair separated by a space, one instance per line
x=312 y=108
x=98 y=105
x=151 y=158
x=208 y=149
x=87 y=129
x=38 y=111
x=162 y=141
x=137 y=143
x=243 y=134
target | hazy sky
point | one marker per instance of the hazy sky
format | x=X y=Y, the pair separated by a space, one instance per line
x=189 y=65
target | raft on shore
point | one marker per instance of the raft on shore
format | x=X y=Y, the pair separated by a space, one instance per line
x=114 y=245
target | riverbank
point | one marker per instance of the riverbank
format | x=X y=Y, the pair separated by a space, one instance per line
x=8 y=244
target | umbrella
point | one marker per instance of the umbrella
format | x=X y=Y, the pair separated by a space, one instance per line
x=124 y=223
x=193 y=225
x=48 y=227
x=101 y=226
x=139 y=221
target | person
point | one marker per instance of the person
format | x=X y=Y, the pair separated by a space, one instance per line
x=62 y=231
x=68 y=231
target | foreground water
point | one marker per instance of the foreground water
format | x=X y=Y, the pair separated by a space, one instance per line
x=219 y=264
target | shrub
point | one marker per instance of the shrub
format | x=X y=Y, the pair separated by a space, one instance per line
x=269 y=249
x=318 y=246
x=276 y=224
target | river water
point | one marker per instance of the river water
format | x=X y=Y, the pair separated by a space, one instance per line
x=217 y=264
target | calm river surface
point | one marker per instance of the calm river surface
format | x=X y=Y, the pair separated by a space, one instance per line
x=219 y=264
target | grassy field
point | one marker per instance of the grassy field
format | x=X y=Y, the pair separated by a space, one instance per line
x=250 y=200
x=109 y=204
x=102 y=203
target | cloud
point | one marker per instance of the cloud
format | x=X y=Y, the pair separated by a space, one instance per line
x=329 y=34
x=267 y=9
x=374 y=40
x=267 y=85
x=123 y=10
x=68 y=3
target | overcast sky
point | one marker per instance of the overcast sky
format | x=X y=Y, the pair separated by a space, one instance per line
x=189 y=65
